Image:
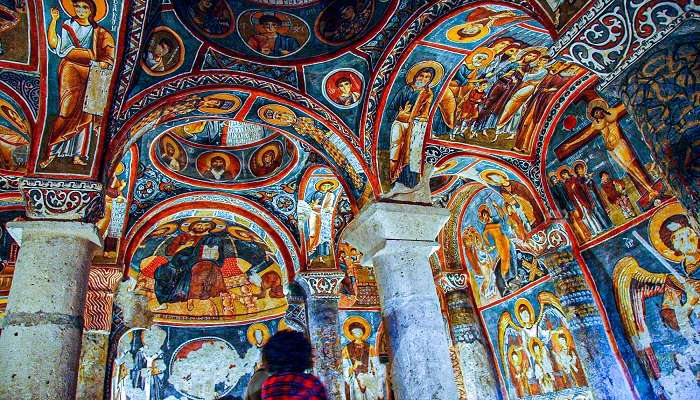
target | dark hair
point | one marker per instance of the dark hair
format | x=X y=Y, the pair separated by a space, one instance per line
x=594 y=109
x=269 y=18
x=217 y=158
x=167 y=42
x=429 y=70
x=341 y=80
x=287 y=351
x=604 y=173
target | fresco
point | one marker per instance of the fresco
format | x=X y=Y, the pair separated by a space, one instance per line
x=174 y=363
x=498 y=258
x=14 y=31
x=647 y=277
x=81 y=39
x=209 y=266
x=600 y=173
x=165 y=52
x=15 y=136
x=359 y=286
x=296 y=31
x=537 y=354
x=318 y=197
x=235 y=166
x=364 y=365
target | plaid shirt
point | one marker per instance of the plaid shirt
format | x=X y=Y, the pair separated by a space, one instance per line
x=293 y=386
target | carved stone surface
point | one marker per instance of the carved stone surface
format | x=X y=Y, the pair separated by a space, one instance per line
x=321 y=283
x=62 y=200
x=612 y=35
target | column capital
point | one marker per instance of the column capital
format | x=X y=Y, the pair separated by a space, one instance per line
x=320 y=284
x=86 y=231
x=66 y=200
x=397 y=222
x=452 y=281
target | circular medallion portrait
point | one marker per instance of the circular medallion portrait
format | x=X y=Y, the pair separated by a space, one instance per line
x=266 y=160
x=171 y=153
x=219 y=103
x=206 y=368
x=344 y=20
x=165 y=52
x=212 y=18
x=272 y=34
x=343 y=87
x=217 y=166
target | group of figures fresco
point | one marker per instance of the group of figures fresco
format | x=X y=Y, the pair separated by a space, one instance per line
x=275 y=34
x=493 y=97
x=204 y=267
x=600 y=175
x=537 y=350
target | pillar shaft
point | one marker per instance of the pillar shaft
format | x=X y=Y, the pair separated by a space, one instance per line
x=41 y=339
x=399 y=239
x=322 y=295
x=475 y=361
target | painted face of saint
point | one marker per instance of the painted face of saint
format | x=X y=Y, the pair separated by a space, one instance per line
x=604 y=178
x=212 y=103
x=563 y=343
x=685 y=241
x=345 y=87
x=204 y=5
x=161 y=49
x=258 y=335
x=565 y=175
x=347 y=13
x=268 y=158
x=498 y=47
x=357 y=333
x=201 y=227
x=270 y=27
x=170 y=150
x=325 y=187
x=580 y=171
x=82 y=10
x=423 y=78
x=478 y=59
x=525 y=315
x=218 y=163
x=529 y=57
x=598 y=113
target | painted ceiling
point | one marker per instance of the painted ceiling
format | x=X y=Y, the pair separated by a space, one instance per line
x=254 y=132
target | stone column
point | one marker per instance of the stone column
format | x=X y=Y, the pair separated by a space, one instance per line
x=398 y=239
x=322 y=294
x=662 y=95
x=470 y=344
x=41 y=339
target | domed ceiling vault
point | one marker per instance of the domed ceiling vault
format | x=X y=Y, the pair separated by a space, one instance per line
x=252 y=132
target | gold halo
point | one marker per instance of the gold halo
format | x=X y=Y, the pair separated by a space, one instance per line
x=580 y=162
x=333 y=182
x=23 y=129
x=359 y=320
x=279 y=109
x=439 y=71
x=219 y=224
x=274 y=147
x=100 y=8
x=514 y=349
x=194 y=127
x=480 y=50
x=166 y=230
x=530 y=308
x=255 y=327
x=595 y=103
x=565 y=334
x=541 y=50
x=487 y=173
x=454 y=36
x=221 y=96
x=242 y=233
x=282 y=325
x=446 y=166
x=564 y=168
x=169 y=139
x=530 y=345
x=657 y=220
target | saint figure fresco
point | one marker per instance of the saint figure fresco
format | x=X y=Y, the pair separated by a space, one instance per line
x=87 y=55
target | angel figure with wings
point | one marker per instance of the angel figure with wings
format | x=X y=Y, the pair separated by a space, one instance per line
x=531 y=348
x=672 y=239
